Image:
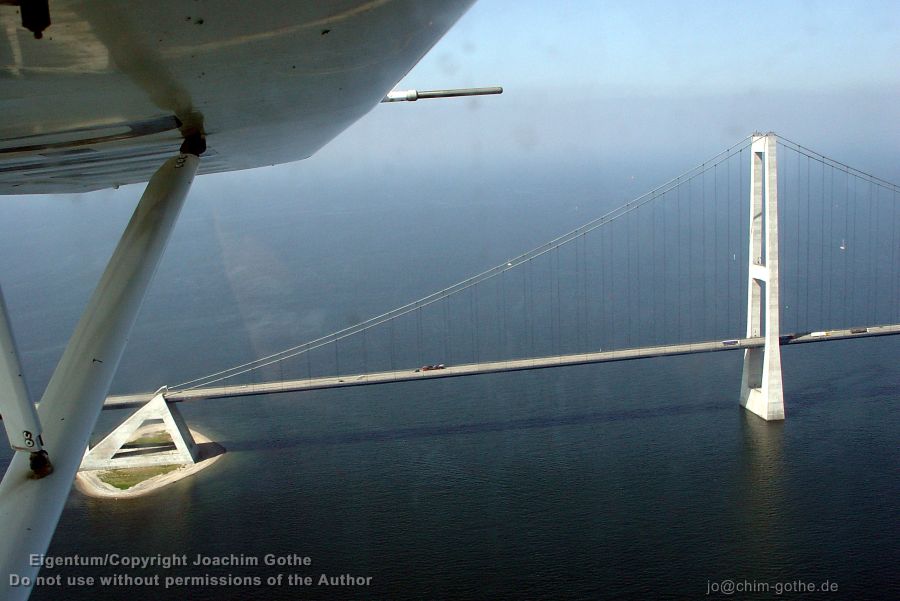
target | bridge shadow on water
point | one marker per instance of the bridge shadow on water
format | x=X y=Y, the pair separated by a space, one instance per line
x=531 y=423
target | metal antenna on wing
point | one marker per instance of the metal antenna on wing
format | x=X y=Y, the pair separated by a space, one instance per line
x=413 y=95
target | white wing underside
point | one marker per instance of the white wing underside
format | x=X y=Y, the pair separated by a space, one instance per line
x=99 y=101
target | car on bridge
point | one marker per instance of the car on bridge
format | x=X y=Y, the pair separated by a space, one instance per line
x=431 y=367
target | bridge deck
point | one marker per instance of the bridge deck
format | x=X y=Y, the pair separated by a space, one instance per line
x=409 y=375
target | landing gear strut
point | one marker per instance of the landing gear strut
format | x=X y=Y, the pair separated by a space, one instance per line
x=20 y=419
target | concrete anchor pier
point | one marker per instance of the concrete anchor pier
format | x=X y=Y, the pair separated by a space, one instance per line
x=156 y=418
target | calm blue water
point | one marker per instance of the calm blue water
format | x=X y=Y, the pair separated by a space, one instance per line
x=617 y=481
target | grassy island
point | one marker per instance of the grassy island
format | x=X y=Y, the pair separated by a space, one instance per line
x=126 y=478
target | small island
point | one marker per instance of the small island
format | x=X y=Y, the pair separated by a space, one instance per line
x=130 y=482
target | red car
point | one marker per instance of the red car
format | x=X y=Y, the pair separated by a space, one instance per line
x=431 y=367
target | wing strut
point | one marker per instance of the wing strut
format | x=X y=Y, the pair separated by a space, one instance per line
x=29 y=507
x=20 y=418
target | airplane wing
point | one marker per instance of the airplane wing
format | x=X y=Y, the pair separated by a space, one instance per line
x=107 y=92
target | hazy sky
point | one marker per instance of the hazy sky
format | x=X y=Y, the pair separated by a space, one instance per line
x=678 y=48
x=585 y=81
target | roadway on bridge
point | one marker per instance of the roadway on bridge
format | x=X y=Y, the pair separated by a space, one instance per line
x=450 y=371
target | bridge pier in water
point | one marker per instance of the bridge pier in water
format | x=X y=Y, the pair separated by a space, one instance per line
x=762 y=390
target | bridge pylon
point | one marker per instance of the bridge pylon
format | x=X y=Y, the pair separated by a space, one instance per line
x=762 y=391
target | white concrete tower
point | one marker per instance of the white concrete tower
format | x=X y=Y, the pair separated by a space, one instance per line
x=761 y=387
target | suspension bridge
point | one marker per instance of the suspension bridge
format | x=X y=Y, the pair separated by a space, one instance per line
x=766 y=244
